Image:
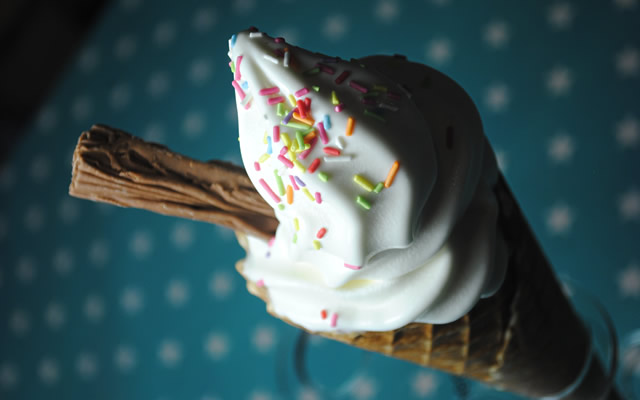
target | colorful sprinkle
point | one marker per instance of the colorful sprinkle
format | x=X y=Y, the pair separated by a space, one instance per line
x=272 y=240
x=323 y=314
x=312 y=71
x=326 y=69
x=308 y=121
x=307 y=102
x=289 y=194
x=322 y=132
x=285 y=161
x=232 y=67
x=392 y=174
x=302 y=109
x=260 y=283
x=275 y=100
x=248 y=104
x=302 y=92
x=280 y=110
x=269 y=148
x=374 y=115
x=276 y=133
x=334 y=320
x=263 y=158
x=303 y=155
x=340 y=107
x=256 y=165
x=321 y=232
x=279 y=40
x=350 y=124
x=237 y=75
x=317 y=245
x=340 y=158
x=285 y=139
x=266 y=187
x=300 y=182
x=378 y=187
x=254 y=35
x=287 y=119
x=314 y=165
x=300 y=166
x=300 y=139
x=316 y=88
x=363 y=182
x=292 y=100
x=269 y=91
x=324 y=177
x=296 y=224
x=280 y=206
x=344 y=75
x=327 y=122
x=350 y=266
x=308 y=138
x=334 y=98
x=318 y=197
x=271 y=58
x=308 y=194
x=364 y=203
x=293 y=183
x=295 y=237
x=284 y=150
x=233 y=39
x=245 y=85
x=358 y=86
x=380 y=88
x=239 y=90
x=332 y=151
x=340 y=142
x=287 y=57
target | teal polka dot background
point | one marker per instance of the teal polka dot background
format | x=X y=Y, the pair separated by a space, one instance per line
x=98 y=302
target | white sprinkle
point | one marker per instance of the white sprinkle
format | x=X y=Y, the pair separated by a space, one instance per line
x=253 y=35
x=405 y=91
x=271 y=58
x=287 y=55
x=342 y=158
x=340 y=142
x=388 y=106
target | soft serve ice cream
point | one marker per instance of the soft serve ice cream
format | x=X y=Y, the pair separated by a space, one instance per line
x=380 y=175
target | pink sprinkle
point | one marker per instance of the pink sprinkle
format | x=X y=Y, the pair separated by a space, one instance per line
x=322 y=133
x=260 y=283
x=356 y=267
x=358 y=86
x=237 y=75
x=318 y=198
x=275 y=100
x=256 y=166
x=268 y=91
x=342 y=77
x=272 y=240
x=302 y=92
x=339 y=107
x=332 y=151
x=334 y=320
x=248 y=105
x=276 y=133
x=284 y=150
x=285 y=161
x=304 y=154
x=278 y=40
x=293 y=183
x=326 y=69
x=321 y=233
x=239 y=90
x=266 y=187
x=314 y=165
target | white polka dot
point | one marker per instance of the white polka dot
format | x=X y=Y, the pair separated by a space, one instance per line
x=141 y=244
x=559 y=219
x=560 y=15
x=335 y=27
x=158 y=84
x=81 y=108
x=68 y=209
x=155 y=132
x=559 y=81
x=204 y=19
x=496 y=34
x=307 y=393
x=626 y=4
x=125 y=47
x=502 y=160
x=47 y=120
x=40 y=168
x=94 y=308
x=243 y=7
x=26 y=269
x=628 y=62
x=259 y=395
x=120 y=96
x=193 y=124
x=7 y=177
x=439 y=51
x=629 y=205
x=89 y=59
x=131 y=300
x=125 y=358
x=19 y=322
x=560 y=148
x=182 y=235
x=130 y=5
x=200 y=71
x=263 y=338
x=217 y=346
x=363 y=388
x=170 y=353
x=629 y=281
x=34 y=218
x=99 y=252
x=177 y=293
x=164 y=33
x=497 y=97
x=424 y=384
x=86 y=365
x=628 y=132
x=48 y=371
x=62 y=261
x=221 y=284
x=387 y=11
x=9 y=376
x=54 y=315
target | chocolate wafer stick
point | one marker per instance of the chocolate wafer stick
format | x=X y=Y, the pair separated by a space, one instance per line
x=112 y=166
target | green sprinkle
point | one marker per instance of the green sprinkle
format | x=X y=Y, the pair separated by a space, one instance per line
x=316 y=88
x=300 y=138
x=296 y=224
x=279 y=182
x=334 y=98
x=281 y=206
x=317 y=245
x=263 y=158
x=374 y=115
x=308 y=194
x=378 y=187
x=323 y=176
x=295 y=237
x=280 y=110
x=380 y=88
x=363 y=182
x=233 y=67
x=297 y=125
x=312 y=71
x=364 y=203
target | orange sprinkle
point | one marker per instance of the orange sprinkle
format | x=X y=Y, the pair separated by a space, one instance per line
x=307 y=121
x=392 y=174
x=350 y=123
x=310 y=136
x=323 y=314
x=289 y=194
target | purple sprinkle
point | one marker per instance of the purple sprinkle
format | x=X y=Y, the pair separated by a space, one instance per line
x=326 y=69
x=268 y=254
x=358 y=86
x=300 y=181
x=288 y=117
x=393 y=95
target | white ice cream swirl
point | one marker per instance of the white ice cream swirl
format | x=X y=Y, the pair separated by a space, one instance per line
x=352 y=253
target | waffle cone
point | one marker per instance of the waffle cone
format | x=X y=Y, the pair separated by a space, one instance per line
x=525 y=339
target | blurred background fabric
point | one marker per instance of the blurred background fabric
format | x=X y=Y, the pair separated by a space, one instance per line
x=98 y=302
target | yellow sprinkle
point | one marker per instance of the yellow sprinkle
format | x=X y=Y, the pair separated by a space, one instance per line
x=317 y=245
x=291 y=155
x=264 y=138
x=292 y=100
x=308 y=194
x=263 y=158
x=294 y=146
x=363 y=182
x=285 y=139
x=334 y=98
x=296 y=224
x=300 y=166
